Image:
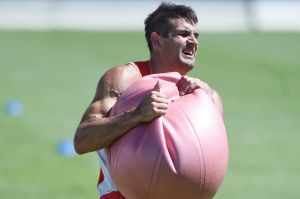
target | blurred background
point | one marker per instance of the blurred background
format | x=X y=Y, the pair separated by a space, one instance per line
x=53 y=52
x=214 y=15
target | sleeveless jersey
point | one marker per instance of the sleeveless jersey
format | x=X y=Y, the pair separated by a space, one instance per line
x=106 y=186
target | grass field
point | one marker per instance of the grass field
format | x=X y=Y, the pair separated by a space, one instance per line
x=55 y=74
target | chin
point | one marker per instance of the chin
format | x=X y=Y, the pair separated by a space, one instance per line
x=185 y=68
x=189 y=64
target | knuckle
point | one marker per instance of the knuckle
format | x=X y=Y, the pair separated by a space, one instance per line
x=194 y=85
x=152 y=93
x=154 y=111
x=152 y=97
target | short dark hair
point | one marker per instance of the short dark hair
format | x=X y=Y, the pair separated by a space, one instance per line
x=160 y=22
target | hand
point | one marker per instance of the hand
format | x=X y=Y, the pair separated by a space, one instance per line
x=155 y=104
x=187 y=85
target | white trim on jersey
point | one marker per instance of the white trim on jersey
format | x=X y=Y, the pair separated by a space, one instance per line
x=107 y=185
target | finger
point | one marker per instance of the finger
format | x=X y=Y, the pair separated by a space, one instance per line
x=190 y=90
x=161 y=95
x=157 y=86
x=206 y=86
x=162 y=106
x=160 y=112
x=156 y=96
x=180 y=85
x=191 y=87
x=202 y=84
x=179 y=82
x=185 y=87
x=160 y=100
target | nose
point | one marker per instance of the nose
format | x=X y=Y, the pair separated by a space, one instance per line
x=193 y=40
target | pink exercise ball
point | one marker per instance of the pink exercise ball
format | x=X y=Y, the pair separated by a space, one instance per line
x=183 y=154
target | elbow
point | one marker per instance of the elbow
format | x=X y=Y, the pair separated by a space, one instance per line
x=78 y=143
x=85 y=140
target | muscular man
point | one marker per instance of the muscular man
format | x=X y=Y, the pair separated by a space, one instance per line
x=172 y=40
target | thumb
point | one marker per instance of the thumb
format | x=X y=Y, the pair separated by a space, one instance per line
x=157 y=86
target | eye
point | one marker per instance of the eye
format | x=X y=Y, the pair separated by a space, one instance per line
x=188 y=34
x=184 y=34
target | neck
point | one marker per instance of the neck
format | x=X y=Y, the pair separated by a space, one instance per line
x=163 y=67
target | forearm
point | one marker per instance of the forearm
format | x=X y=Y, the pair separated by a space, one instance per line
x=97 y=133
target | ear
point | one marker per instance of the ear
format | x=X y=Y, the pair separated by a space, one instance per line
x=155 y=40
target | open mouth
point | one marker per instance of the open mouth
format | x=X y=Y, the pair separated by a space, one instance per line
x=188 y=52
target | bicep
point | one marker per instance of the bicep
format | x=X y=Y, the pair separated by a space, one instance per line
x=102 y=102
x=98 y=109
x=109 y=88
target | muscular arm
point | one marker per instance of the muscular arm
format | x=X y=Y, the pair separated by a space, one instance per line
x=96 y=130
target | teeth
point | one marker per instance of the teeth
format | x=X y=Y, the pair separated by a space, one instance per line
x=188 y=52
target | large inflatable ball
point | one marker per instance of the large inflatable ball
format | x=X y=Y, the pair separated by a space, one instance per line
x=181 y=155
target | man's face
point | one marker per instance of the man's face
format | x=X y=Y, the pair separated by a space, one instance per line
x=181 y=45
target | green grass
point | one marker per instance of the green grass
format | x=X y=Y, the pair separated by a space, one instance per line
x=55 y=74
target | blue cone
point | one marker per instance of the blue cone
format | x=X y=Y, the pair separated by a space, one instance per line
x=66 y=147
x=14 y=108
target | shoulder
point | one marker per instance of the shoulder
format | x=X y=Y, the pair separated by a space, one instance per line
x=122 y=70
x=117 y=79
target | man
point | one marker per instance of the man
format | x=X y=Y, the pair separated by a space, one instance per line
x=172 y=40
